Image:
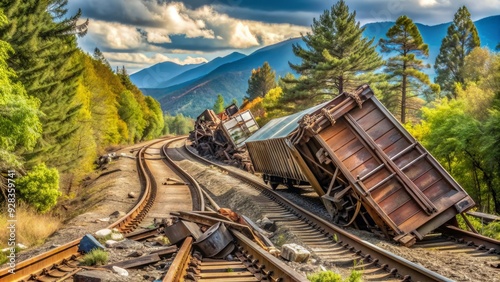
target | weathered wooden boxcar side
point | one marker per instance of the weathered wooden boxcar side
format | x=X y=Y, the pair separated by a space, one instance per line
x=361 y=156
x=271 y=155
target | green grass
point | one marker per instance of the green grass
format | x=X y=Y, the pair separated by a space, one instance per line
x=95 y=257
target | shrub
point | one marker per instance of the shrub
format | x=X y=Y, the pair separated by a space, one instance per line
x=330 y=276
x=95 y=257
x=325 y=276
x=40 y=187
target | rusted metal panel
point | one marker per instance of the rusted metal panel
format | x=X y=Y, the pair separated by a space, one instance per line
x=393 y=174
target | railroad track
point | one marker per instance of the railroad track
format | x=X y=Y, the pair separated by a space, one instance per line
x=332 y=243
x=61 y=263
x=251 y=263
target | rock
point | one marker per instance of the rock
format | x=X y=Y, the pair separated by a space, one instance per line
x=110 y=243
x=294 y=252
x=115 y=230
x=268 y=224
x=93 y=276
x=88 y=243
x=118 y=214
x=103 y=233
x=135 y=254
x=131 y=195
x=128 y=244
x=105 y=219
x=120 y=271
x=117 y=236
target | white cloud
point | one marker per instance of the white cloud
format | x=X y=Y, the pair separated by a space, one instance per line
x=113 y=35
x=142 y=59
x=432 y=3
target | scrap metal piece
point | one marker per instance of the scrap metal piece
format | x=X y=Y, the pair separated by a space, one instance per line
x=182 y=229
x=214 y=240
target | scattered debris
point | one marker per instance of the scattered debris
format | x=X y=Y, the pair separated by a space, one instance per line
x=222 y=136
x=294 y=252
x=88 y=243
x=120 y=271
x=117 y=214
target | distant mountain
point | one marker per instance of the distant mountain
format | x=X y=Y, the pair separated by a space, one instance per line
x=191 y=96
x=231 y=80
x=201 y=70
x=152 y=76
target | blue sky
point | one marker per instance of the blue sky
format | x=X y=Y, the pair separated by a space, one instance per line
x=140 y=33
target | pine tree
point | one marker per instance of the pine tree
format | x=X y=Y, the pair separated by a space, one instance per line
x=262 y=80
x=219 y=104
x=461 y=38
x=45 y=62
x=99 y=56
x=336 y=53
x=404 y=69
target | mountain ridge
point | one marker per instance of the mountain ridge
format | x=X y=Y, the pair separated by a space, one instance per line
x=191 y=97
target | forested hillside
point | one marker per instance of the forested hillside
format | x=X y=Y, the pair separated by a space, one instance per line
x=60 y=107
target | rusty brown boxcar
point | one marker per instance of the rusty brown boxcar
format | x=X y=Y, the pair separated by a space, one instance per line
x=368 y=169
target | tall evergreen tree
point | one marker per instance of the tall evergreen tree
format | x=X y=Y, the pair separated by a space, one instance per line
x=44 y=60
x=262 y=80
x=219 y=104
x=461 y=38
x=99 y=56
x=336 y=53
x=404 y=69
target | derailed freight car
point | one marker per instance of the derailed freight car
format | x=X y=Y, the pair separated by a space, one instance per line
x=368 y=170
x=222 y=136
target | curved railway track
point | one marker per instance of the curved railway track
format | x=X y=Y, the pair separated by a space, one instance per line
x=61 y=262
x=332 y=243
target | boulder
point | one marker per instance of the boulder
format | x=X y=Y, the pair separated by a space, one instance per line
x=131 y=195
x=294 y=252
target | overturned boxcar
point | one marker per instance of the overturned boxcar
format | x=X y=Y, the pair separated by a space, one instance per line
x=369 y=171
x=221 y=136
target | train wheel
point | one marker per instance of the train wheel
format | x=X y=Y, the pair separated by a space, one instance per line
x=274 y=185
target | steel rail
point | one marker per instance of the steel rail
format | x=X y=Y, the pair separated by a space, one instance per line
x=197 y=189
x=405 y=269
x=43 y=262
